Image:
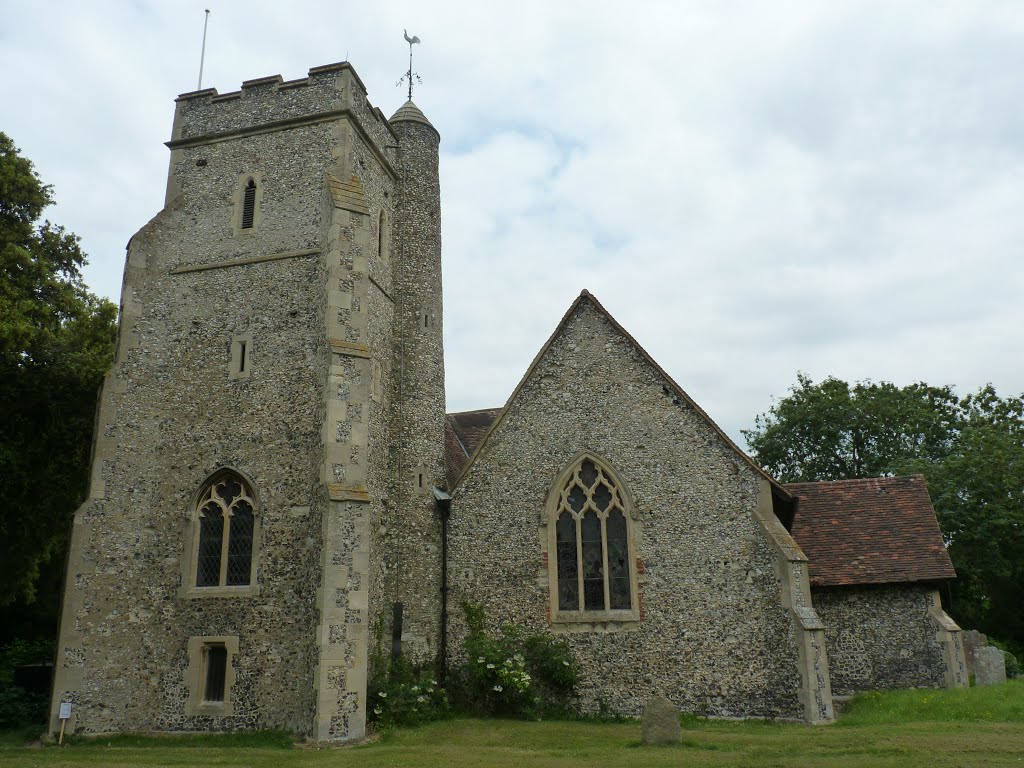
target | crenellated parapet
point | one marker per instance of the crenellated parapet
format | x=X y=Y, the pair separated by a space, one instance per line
x=268 y=104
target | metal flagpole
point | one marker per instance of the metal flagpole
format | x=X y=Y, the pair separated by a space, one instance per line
x=202 y=56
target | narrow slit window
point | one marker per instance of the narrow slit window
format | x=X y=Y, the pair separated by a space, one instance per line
x=382 y=237
x=216 y=673
x=249 y=204
x=241 y=357
x=211 y=675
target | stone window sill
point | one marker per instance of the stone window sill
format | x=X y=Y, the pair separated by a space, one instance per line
x=248 y=591
x=595 y=621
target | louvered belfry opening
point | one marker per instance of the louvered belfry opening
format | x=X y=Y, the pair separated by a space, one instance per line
x=249 y=204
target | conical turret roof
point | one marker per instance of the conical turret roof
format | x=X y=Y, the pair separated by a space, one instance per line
x=409 y=112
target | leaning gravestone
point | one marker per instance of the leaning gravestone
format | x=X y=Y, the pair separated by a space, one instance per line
x=660 y=724
x=989 y=666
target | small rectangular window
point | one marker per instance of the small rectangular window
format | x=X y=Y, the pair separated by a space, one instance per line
x=216 y=658
x=211 y=675
x=241 y=357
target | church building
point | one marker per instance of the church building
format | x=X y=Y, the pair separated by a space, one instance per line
x=277 y=492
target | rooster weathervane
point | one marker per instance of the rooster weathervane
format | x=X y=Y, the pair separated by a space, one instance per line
x=409 y=75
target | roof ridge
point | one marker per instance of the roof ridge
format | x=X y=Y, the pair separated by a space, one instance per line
x=474 y=410
x=883 y=478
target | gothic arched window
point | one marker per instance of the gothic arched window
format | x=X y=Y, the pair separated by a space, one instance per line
x=593 y=565
x=225 y=523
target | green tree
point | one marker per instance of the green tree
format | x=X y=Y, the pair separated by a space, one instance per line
x=56 y=342
x=971 y=451
x=832 y=431
x=978 y=491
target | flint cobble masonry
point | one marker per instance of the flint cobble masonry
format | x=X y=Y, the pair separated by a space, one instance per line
x=282 y=321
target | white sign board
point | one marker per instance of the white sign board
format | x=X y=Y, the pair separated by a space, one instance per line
x=65 y=710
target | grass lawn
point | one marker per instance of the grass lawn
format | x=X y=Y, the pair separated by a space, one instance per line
x=977 y=727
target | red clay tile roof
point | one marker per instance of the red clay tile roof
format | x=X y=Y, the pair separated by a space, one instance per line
x=463 y=432
x=876 y=531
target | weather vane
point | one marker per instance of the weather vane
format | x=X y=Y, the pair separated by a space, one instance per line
x=410 y=75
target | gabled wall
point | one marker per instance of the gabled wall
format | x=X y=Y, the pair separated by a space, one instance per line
x=712 y=635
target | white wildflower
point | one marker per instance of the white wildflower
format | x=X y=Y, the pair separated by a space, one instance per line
x=498 y=688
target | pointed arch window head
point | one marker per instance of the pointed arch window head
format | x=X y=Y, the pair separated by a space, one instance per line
x=225 y=527
x=594 y=575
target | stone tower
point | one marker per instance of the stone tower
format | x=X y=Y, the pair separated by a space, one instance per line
x=271 y=429
x=419 y=376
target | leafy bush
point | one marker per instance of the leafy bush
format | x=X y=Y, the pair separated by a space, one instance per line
x=511 y=674
x=403 y=696
x=1012 y=665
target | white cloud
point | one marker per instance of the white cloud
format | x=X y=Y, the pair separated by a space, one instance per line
x=750 y=188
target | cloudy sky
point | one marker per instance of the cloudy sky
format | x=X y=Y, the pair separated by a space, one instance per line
x=751 y=188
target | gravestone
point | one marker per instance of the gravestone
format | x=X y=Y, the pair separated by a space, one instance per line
x=972 y=640
x=660 y=724
x=990 y=666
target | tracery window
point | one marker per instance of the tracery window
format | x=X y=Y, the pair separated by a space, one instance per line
x=226 y=522
x=592 y=544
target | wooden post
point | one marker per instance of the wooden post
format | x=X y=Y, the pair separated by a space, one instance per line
x=65 y=715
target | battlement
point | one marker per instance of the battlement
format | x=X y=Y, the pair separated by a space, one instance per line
x=267 y=103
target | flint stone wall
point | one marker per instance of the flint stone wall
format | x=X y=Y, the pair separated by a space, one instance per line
x=713 y=637
x=414 y=536
x=880 y=637
x=177 y=417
